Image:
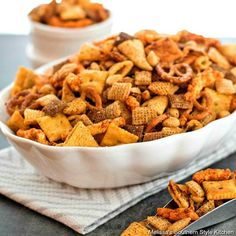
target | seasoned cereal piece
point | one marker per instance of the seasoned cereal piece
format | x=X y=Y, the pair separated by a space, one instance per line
x=153 y=136
x=33 y=134
x=179 y=225
x=75 y=107
x=171 y=130
x=229 y=51
x=116 y=136
x=125 y=112
x=106 y=65
x=221 y=102
x=80 y=136
x=146 y=95
x=185 y=36
x=163 y=88
x=54 y=127
x=158 y=103
x=136 y=229
x=158 y=222
x=152 y=58
x=74 y=82
x=202 y=63
x=212 y=175
x=143 y=115
x=31 y=116
x=99 y=128
x=206 y=207
x=113 y=110
x=132 y=102
x=165 y=132
x=225 y=86
x=179 y=101
x=121 y=68
x=117 y=56
x=134 y=50
x=166 y=49
x=47 y=99
x=97 y=115
x=218 y=58
x=46 y=89
x=135 y=91
x=231 y=75
x=194 y=188
x=136 y=130
x=143 y=78
x=54 y=107
x=89 y=52
x=119 y=91
x=67 y=94
x=177 y=214
x=219 y=190
x=178 y=195
x=147 y=36
x=111 y=79
x=93 y=78
x=84 y=118
x=58 y=78
x=119 y=121
x=16 y=121
x=25 y=79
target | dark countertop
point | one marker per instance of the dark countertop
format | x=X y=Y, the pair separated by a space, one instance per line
x=17 y=220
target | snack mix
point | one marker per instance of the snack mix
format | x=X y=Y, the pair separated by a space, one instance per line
x=69 y=13
x=207 y=190
x=126 y=89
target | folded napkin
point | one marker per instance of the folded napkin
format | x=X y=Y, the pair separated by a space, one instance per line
x=81 y=209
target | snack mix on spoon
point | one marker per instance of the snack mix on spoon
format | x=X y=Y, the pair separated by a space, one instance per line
x=207 y=190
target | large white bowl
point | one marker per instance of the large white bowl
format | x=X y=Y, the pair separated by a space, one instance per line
x=49 y=43
x=106 y=167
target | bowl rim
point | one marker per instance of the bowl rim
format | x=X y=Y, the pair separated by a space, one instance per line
x=6 y=130
x=82 y=30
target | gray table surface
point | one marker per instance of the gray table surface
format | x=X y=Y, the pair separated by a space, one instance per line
x=17 y=220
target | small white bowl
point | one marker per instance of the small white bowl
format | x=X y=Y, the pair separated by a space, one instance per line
x=108 y=167
x=49 y=43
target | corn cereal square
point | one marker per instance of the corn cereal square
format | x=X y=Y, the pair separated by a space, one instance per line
x=54 y=127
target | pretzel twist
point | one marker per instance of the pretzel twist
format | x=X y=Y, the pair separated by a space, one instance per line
x=206 y=110
x=176 y=74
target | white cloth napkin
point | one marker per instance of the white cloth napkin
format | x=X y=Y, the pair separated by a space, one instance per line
x=81 y=209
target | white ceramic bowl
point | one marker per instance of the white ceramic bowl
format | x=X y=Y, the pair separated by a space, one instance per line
x=106 y=167
x=49 y=43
